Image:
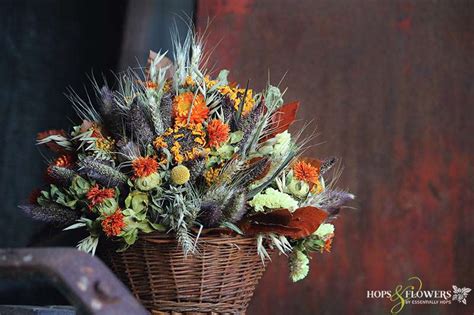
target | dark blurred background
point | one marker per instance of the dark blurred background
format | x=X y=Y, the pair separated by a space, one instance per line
x=389 y=85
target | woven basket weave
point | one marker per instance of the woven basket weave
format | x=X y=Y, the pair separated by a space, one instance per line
x=221 y=278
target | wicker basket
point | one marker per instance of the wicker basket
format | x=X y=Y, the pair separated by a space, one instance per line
x=221 y=278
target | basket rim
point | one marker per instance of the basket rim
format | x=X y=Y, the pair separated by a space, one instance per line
x=218 y=239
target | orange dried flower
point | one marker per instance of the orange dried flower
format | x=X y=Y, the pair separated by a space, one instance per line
x=182 y=104
x=327 y=245
x=306 y=172
x=113 y=224
x=144 y=166
x=151 y=85
x=218 y=132
x=97 y=195
x=65 y=160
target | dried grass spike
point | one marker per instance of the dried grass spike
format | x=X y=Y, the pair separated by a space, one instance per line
x=53 y=213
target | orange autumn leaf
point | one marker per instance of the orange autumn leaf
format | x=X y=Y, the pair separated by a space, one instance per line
x=283 y=118
x=307 y=219
x=301 y=223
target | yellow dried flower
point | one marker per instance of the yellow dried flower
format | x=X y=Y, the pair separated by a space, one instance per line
x=189 y=81
x=175 y=148
x=209 y=83
x=160 y=143
x=167 y=86
x=176 y=151
x=211 y=175
x=180 y=175
x=317 y=188
x=200 y=141
x=105 y=144
x=163 y=161
x=169 y=131
x=236 y=94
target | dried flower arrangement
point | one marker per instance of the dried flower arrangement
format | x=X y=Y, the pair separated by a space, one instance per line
x=176 y=151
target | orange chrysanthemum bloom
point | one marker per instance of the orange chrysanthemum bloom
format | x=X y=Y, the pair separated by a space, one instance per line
x=144 y=166
x=218 y=132
x=113 y=224
x=306 y=172
x=97 y=195
x=182 y=104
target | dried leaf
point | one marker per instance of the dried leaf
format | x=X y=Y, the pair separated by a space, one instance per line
x=259 y=166
x=52 y=145
x=307 y=219
x=301 y=223
x=283 y=118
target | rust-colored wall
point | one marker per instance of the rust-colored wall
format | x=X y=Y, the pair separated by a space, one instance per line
x=390 y=87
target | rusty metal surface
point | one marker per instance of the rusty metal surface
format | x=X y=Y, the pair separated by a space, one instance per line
x=87 y=283
x=390 y=87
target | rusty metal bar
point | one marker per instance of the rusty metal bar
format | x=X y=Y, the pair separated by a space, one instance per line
x=84 y=280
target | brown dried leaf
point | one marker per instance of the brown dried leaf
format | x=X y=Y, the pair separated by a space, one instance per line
x=301 y=223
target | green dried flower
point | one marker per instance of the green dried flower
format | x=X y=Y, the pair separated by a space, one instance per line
x=149 y=182
x=108 y=206
x=299 y=265
x=298 y=188
x=273 y=199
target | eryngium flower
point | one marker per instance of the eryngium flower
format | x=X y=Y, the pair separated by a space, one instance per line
x=52 y=213
x=101 y=172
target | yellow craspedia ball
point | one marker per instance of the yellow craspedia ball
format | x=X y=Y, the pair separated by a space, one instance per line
x=179 y=175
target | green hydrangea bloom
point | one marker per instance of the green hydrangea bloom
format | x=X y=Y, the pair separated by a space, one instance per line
x=299 y=265
x=324 y=230
x=277 y=146
x=273 y=199
x=283 y=144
